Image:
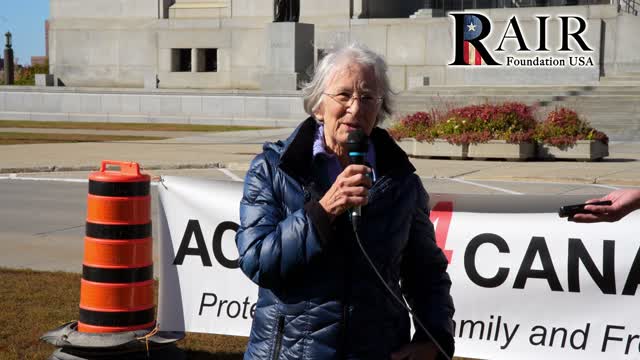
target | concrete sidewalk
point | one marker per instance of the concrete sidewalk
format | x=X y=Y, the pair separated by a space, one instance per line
x=234 y=151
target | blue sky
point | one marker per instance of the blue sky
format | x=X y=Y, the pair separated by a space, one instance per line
x=25 y=19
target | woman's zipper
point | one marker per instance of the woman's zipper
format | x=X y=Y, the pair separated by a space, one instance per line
x=280 y=332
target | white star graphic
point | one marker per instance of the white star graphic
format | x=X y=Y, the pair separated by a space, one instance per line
x=471 y=27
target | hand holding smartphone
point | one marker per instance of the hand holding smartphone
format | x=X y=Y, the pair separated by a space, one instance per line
x=571 y=210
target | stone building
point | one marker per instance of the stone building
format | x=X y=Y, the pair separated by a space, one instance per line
x=221 y=44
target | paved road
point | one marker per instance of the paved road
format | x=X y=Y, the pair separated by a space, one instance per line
x=42 y=220
x=42 y=215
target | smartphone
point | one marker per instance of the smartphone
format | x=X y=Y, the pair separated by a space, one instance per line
x=570 y=210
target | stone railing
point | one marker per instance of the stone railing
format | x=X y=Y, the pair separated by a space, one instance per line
x=241 y=107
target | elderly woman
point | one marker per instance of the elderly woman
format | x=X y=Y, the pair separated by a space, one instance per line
x=319 y=296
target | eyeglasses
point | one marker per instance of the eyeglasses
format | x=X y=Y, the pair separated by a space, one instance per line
x=346 y=99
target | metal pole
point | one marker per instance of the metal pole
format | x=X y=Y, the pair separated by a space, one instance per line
x=8 y=61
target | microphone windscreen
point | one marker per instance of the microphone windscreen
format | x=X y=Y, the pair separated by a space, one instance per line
x=357 y=142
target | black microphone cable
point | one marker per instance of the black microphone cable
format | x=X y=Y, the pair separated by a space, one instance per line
x=357 y=147
x=354 y=223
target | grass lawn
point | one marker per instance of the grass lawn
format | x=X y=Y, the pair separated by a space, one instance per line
x=13 y=138
x=121 y=126
x=33 y=303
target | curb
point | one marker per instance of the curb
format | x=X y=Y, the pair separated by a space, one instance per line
x=560 y=180
x=56 y=168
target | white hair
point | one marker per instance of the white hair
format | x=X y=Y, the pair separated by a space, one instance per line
x=353 y=53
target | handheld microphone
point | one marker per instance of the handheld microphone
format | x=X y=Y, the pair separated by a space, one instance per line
x=357 y=147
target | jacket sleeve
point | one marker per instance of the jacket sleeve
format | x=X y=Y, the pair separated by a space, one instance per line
x=425 y=282
x=273 y=246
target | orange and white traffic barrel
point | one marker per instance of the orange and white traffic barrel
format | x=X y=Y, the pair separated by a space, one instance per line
x=116 y=292
x=117 y=312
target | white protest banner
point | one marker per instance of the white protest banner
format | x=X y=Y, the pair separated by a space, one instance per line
x=201 y=287
x=526 y=283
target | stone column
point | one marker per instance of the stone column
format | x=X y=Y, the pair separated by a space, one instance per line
x=194 y=60
x=200 y=63
x=8 y=61
x=356 y=9
x=289 y=55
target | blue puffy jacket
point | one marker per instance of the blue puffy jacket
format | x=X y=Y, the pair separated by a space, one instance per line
x=318 y=297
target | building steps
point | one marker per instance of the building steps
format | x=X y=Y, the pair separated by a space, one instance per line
x=613 y=107
x=422 y=13
x=627 y=79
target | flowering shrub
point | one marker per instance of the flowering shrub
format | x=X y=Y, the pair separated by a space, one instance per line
x=419 y=126
x=563 y=127
x=513 y=122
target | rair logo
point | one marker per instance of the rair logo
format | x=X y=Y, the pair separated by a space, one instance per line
x=472 y=30
x=441 y=219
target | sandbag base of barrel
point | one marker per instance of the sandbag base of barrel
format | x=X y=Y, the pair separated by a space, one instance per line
x=146 y=344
